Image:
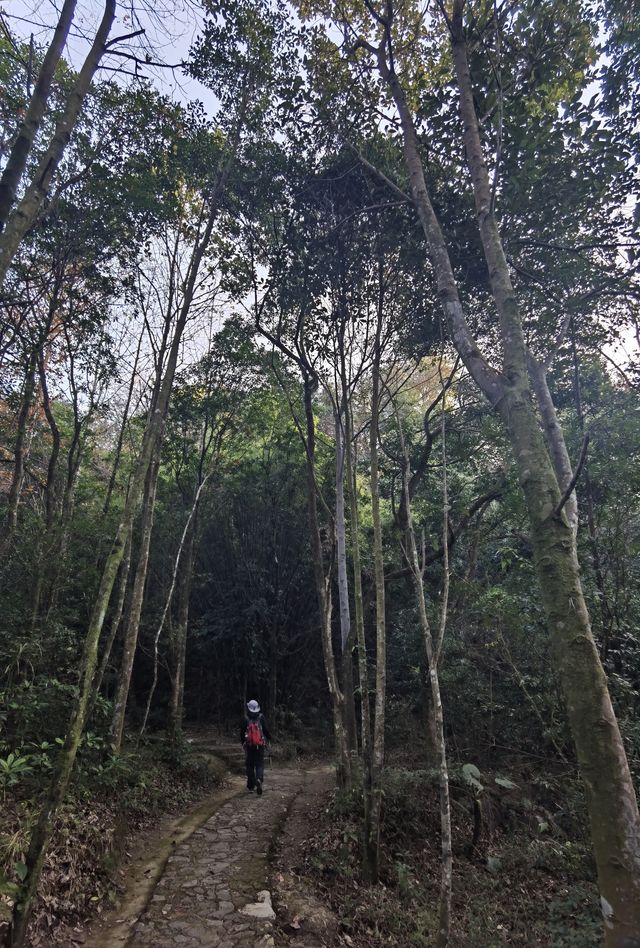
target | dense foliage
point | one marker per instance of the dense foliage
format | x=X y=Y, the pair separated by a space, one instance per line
x=222 y=344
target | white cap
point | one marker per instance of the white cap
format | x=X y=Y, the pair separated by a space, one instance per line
x=253 y=706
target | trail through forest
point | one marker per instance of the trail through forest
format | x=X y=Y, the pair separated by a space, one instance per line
x=210 y=881
x=320 y=391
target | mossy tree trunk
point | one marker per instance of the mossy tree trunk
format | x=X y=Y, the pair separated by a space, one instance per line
x=615 y=821
x=116 y=619
x=613 y=809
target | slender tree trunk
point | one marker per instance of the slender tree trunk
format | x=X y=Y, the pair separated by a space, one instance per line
x=135 y=608
x=26 y=212
x=116 y=619
x=323 y=593
x=273 y=672
x=431 y=649
x=52 y=467
x=186 y=540
x=61 y=536
x=123 y=427
x=615 y=821
x=176 y=698
x=377 y=758
x=17 y=160
x=137 y=594
x=343 y=592
x=153 y=434
x=43 y=559
x=19 y=452
x=604 y=605
x=613 y=808
x=363 y=669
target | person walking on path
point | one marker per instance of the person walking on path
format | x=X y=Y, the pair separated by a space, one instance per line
x=254 y=734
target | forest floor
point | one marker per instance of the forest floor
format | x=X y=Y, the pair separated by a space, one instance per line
x=282 y=870
x=216 y=877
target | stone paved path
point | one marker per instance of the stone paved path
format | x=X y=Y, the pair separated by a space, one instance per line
x=213 y=890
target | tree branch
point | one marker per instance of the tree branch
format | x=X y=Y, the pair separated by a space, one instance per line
x=574 y=479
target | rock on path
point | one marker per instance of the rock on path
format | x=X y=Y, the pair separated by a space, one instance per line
x=213 y=890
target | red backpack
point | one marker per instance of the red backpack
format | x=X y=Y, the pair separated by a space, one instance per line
x=253 y=737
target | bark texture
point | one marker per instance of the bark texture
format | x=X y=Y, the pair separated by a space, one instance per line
x=554 y=436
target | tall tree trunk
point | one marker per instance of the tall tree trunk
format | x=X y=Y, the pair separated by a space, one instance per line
x=372 y=866
x=363 y=665
x=135 y=608
x=26 y=212
x=17 y=160
x=343 y=592
x=152 y=435
x=323 y=593
x=432 y=650
x=186 y=542
x=613 y=809
x=61 y=537
x=43 y=558
x=176 y=697
x=123 y=427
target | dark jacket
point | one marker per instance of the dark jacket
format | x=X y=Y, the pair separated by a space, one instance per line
x=254 y=716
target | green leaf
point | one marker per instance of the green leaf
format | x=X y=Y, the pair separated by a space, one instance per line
x=506 y=783
x=471 y=775
x=21 y=871
x=494 y=864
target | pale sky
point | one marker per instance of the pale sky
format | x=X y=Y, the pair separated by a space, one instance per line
x=170 y=28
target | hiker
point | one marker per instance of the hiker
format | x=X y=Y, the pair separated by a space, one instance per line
x=254 y=734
